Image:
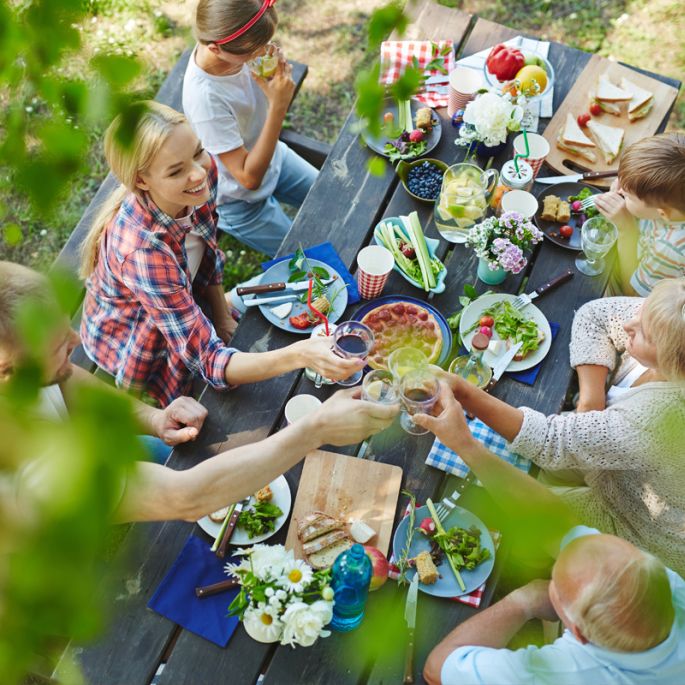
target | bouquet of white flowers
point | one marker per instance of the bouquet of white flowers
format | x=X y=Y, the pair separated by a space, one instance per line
x=489 y=118
x=281 y=598
x=502 y=242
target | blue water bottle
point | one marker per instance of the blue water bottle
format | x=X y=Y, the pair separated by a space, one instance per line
x=351 y=577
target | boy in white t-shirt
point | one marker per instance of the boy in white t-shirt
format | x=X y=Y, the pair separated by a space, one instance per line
x=238 y=117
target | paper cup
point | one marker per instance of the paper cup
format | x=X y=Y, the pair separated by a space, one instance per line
x=464 y=83
x=520 y=201
x=300 y=406
x=538 y=150
x=374 y=266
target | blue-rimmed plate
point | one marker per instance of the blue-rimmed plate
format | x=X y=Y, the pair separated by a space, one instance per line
x=405 y=299
x=280 y=272
x=431 y=243
x=446 y=585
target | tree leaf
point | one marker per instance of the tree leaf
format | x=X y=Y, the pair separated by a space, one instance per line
x=377 y=166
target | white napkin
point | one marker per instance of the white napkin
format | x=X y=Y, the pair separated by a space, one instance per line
x=539 y=108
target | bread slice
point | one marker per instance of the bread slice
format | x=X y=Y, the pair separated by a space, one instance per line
x=608 y=92
x=323 y=541
x=326 y=557
x=315 y=524
x=609 y=139
x=641 y=101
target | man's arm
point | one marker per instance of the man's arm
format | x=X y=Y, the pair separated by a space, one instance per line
x=159 y=493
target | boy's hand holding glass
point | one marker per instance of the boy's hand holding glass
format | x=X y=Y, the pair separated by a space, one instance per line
x=419 y=390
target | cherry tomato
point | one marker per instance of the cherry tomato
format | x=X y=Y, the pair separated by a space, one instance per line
x=388 y=117
x=566 y=231
x=487 y=321
x=583 y=119
x=301 y=321
x=486 y=330
x=595 y=109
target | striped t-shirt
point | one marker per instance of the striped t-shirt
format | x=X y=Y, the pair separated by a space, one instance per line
x=660 y=253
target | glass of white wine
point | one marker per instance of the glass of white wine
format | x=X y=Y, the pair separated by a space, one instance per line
x=597 y=235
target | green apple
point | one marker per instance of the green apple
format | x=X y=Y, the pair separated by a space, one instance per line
x=534 y=59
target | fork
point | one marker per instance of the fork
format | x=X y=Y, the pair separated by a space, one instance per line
x=446 y=505
x=588 y=202
x=524 y=299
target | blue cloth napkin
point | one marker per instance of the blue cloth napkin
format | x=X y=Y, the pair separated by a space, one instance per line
x=325 y=252
x=175 y=598
x=443 y=458
x=530 y=375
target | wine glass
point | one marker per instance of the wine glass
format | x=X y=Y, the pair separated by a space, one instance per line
x=352 y=340
x=379 y=386
x=405 y=359
x=597 y=235
x=419 y=390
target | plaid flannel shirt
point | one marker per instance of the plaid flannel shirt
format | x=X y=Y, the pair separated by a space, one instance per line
x=140 y=320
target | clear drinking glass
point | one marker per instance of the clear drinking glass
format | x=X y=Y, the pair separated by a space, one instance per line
x=597 y=235
x=405 y=359
x=265 y=65
x=419 y=391
x=319 y=331
x=352 y=340
x=379 y=386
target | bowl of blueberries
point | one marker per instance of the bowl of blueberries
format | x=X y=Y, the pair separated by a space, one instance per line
x=422 y=178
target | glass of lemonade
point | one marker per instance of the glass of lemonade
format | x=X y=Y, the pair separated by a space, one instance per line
x=405 y=359
x=597 y=235
x=379 y=386
x=463 y=200
x=265 y=65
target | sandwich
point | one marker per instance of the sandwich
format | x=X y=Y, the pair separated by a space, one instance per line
x=573 y=140
x=641 y=101
x=609 y=96
x=609 y=139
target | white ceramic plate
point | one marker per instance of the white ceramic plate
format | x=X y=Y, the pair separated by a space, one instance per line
x=281 y=498
x=475 y=310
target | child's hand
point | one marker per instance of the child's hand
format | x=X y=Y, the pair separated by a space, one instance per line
x=280 y=89
x=612 y=205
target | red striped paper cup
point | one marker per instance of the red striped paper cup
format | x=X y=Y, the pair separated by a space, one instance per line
x=374 y=264
x=538 y=149
x=464 y=83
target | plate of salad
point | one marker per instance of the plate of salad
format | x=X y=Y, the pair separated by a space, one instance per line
x=465 y=538
x=410 y=130
x=507 y=326
x=414 y=254
x=330 y=299
x=261 y=518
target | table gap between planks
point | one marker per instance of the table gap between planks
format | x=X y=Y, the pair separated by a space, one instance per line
x=344 y=206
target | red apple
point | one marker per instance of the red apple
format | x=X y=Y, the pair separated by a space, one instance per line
x=379 y=565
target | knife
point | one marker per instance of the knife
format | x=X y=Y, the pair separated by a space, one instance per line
x=527 y=298
x=503 y=362
x=230 y=526
x=256 y=301
x=574 y=178
x=410 y=618
x=275 y=287
x=215 y=588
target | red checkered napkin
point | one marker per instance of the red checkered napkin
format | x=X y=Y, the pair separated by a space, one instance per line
x=396 y=55
x=474 y=598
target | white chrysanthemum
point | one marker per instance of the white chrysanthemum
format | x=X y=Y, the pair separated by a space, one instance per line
x=296 y=576
x=303 y=623
x=261 y=624
x=268 y=561
x=490 y=117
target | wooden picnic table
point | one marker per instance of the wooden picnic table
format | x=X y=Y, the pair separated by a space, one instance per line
x=343 y=207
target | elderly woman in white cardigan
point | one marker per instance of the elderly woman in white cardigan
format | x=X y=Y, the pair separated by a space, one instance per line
x=628 y=442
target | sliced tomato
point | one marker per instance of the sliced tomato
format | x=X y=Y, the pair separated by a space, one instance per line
x=301 y=321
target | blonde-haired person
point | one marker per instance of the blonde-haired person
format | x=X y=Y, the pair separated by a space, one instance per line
x=150 y=251
x=622 y=610
x=627 y=442
x=647 y=204
x=238 y=117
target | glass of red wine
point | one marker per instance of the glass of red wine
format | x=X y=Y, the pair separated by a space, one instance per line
x=352 y=340
x=419 y=390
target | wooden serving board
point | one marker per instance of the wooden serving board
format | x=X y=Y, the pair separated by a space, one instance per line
x=577 y=101
x=347 y=488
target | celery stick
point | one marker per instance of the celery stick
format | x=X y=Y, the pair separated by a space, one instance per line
x=441 y=530
x=418 y=241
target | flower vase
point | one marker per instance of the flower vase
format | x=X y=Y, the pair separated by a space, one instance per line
x=487 y=275
x=480 y=149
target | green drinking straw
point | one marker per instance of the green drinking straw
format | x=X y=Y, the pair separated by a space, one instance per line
x=524 y=155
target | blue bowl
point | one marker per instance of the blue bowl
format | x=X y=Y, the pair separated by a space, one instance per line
x=431 y=243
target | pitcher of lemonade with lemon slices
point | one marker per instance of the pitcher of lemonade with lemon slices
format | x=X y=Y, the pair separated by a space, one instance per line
x=463 y=200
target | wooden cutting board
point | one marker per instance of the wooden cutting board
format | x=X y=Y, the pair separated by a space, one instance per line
x=577 y=101
x=347 y=488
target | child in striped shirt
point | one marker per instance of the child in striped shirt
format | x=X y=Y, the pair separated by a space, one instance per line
x=647 y=204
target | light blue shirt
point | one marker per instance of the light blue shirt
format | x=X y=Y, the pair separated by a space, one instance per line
x=568 y=662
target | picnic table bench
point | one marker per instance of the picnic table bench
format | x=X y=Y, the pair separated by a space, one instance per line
x=343 y=207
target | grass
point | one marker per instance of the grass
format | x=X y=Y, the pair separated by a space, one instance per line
x=331 y=39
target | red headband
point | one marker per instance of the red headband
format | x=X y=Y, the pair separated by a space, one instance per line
x=265 y=6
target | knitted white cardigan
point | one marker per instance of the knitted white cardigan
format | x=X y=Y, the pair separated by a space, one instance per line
x=632 y=453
